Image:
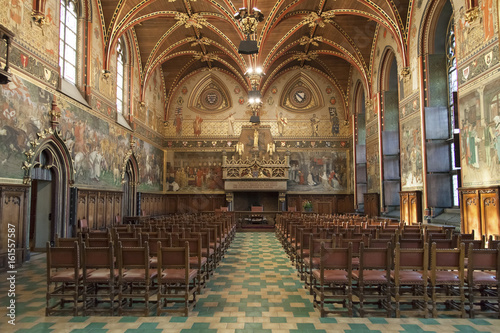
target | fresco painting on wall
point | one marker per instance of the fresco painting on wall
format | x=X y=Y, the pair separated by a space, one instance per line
x=411 y=153
x=480 y=135
x=150 y=160
x=18 y=128
x=372 y=167
x=96 y=147
x=319 y=171
x=195 y=172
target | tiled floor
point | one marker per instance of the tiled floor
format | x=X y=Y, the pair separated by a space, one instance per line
x=255 y=289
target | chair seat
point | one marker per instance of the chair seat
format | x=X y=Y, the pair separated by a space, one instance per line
x=409 y=277
x=208 y=253
x=315 y=262
x=176 y=275
x=306 y=252
x=65 y=275
x=446 y=277
x=484 y=277
x=100 y=275
x=371 y=276
x=331 y=275
x=137 y=275
x=193 y=262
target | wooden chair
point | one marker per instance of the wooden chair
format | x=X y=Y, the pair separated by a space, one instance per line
x=154 y=249
x=483 y=281
x=82 y=226
x=374 y=280
x=332 y=282
x=135 y=279
x=196 y=260
x=207 y=252
x=67 y=241
x=304 y=251
x=313 y=261
x=446 y=278
x=176 y=280
x=99 y=279
x=410 y=280
x=64 y=278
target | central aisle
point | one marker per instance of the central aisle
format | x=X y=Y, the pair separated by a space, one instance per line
x=256 y=279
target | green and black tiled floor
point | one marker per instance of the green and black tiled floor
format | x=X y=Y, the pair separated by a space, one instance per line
x=255 y=289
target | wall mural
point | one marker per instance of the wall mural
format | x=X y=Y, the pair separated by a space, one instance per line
x=195 y=172
x=24 y=112
x=480 y=135
x=319 y=171
x=411 y=153
x=372 y=166
x=150 y=160
x=97 y=148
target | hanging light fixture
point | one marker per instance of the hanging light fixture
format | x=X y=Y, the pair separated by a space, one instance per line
x=248 y=19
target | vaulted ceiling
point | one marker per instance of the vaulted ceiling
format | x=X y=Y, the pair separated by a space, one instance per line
x=333 y=37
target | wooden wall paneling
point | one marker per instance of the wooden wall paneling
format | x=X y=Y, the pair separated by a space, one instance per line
x=117 y=207
x=324 y=207
x=490 y=214
x=410 y=206
x=171 y=204
x=471 y=214
x=101 y=210
x=404 y=203
x=92 y=210
x=415 y=208
x=372 y=204
x=82 y=208
x=109 y=209
x=13 y=211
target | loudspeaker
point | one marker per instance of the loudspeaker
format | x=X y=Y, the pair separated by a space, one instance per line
x=138 y=204
x=248 y=47
x=73 y=203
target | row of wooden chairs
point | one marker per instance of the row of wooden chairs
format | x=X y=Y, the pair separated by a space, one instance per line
x=121 y=282
x=85 y=270
x=410 y=281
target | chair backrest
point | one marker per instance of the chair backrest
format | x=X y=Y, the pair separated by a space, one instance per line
x=98 y=257
x=83 y=225
x=133 y=257
x=194 y=245
x=130 y=242
x=483 y=259
x=411 y=258
x=411 y=243
x=63 y=257
x=375 y=258
x=153 y=244
x=447 y=258
x=173 y=257
x=67 y=241
x=97 y=242
x=379 y=243
x=443 y=243
x=336 y=258
x=315 y=245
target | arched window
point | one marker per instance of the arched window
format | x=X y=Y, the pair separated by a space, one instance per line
x=120 y=70
x=451 y=65
x=68 y=40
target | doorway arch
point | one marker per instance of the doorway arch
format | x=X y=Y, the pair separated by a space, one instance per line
x=130 y=181
x=49 y=171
